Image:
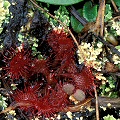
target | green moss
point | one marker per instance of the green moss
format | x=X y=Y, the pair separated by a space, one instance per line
x=63 y=15
x=109 y=117
x=4 y=12
x=108 y=88
x=3 y=103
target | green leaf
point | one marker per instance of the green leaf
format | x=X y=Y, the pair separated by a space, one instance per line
x=34 y=48
x=76 y=25
x=113 y=94
x=117 y=2
x=60 y=2
x=107 y=89
x=112 y=86
x=118 y=47
x=89 y=12
x=35 y=45
x=108 y=13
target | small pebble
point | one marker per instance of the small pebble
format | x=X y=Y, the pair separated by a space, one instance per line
x=79 y=95
x=68 y=88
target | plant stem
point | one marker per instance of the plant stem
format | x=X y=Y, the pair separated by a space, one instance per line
x=97 y=106
x=114 y=5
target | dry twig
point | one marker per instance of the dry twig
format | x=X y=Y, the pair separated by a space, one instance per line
x=114 y=5
x=96 y=104
x=99 y=25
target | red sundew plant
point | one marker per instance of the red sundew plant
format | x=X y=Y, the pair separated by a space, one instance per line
x=19 y=65
x=40 y=66
x=53 y=101
x=51 y=97
x=83 y=80
x=27 y=97
x=44 y=107
x=59 y=97
x=72 y=67
x=63 y=48
x=59 y=41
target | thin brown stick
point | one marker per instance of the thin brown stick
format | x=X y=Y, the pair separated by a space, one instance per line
x=106 y=101
x=79 y=107
x=97 y=106
x=102 y=18
x=13 y=106
x=99 y=25
x=117 y=17
x=114 y=5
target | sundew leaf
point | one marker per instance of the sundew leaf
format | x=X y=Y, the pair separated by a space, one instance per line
x=90 y=12
x=60 y=2
x=76 y=25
